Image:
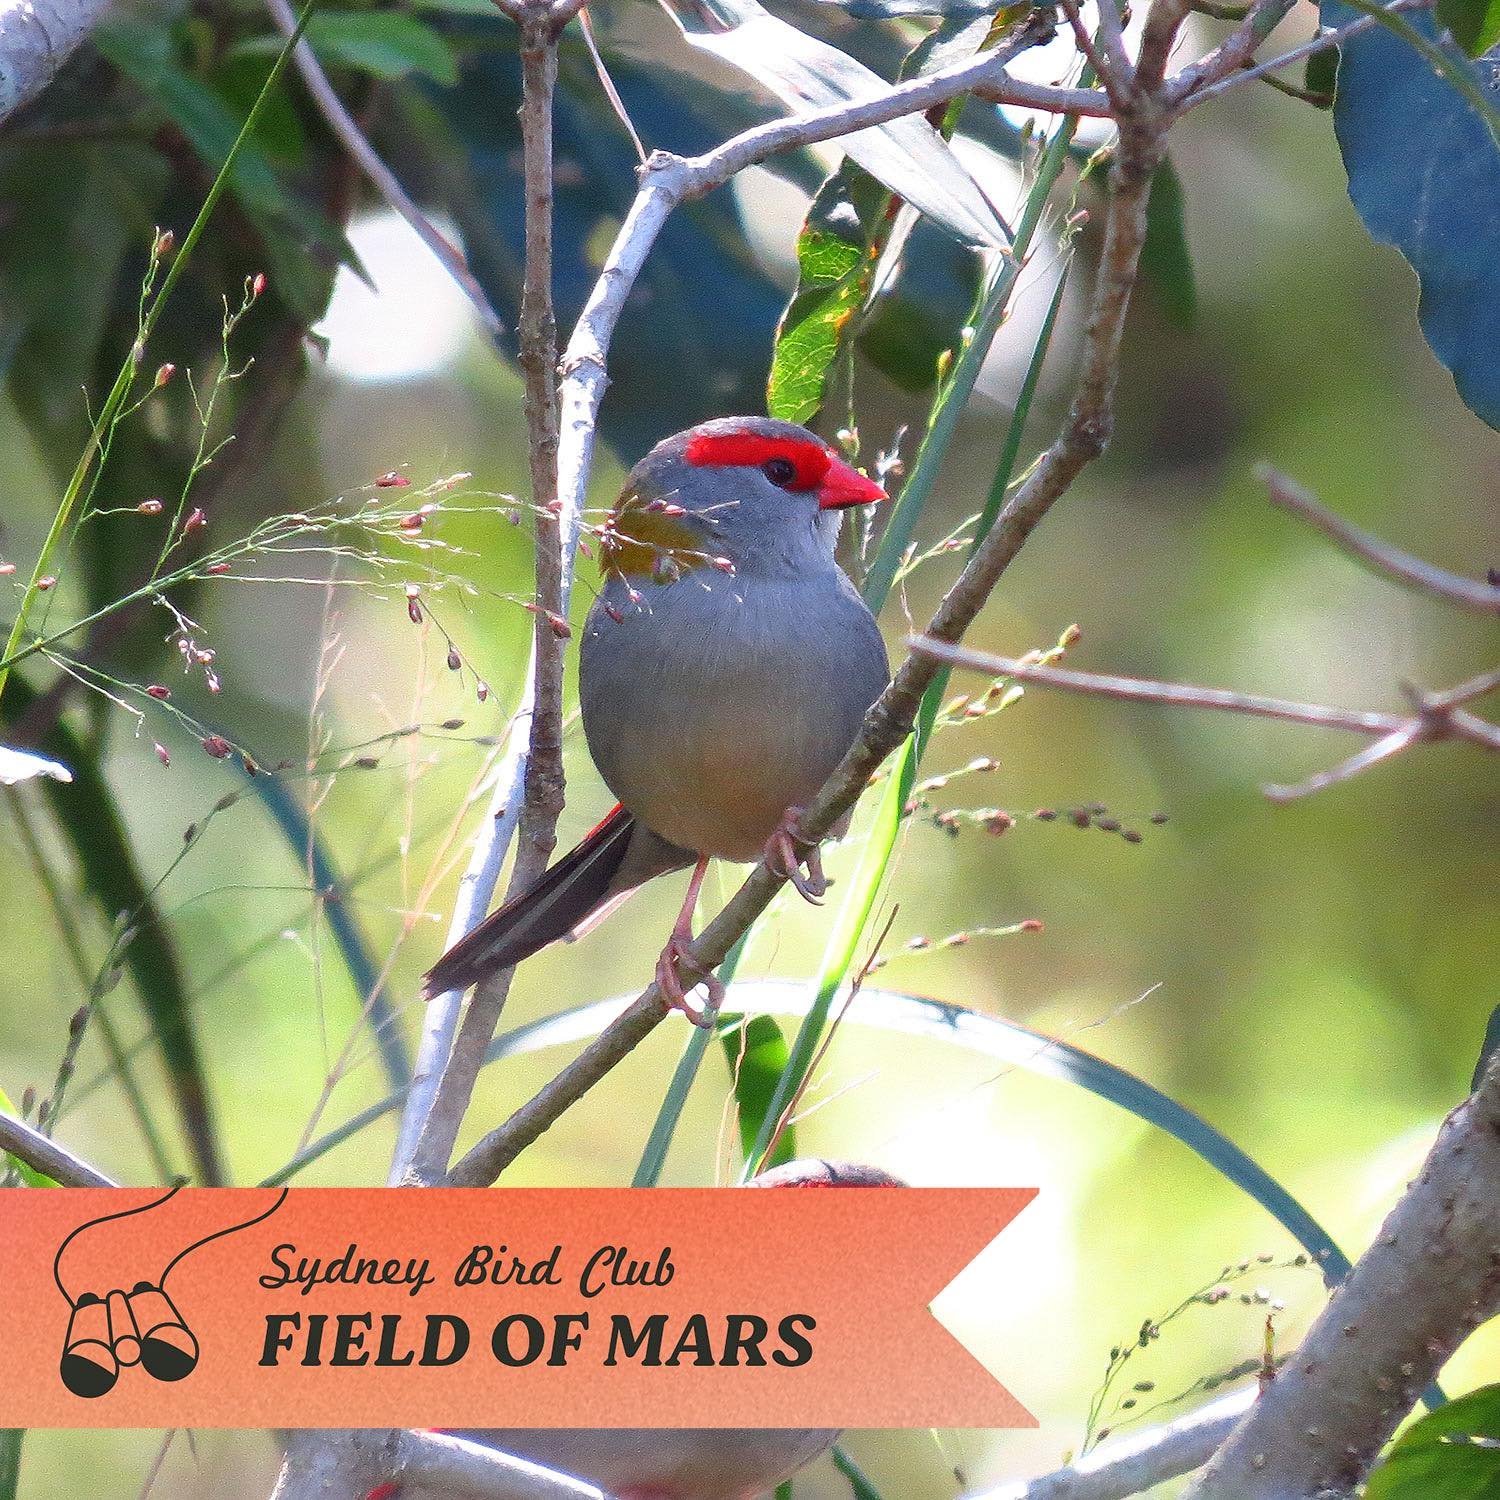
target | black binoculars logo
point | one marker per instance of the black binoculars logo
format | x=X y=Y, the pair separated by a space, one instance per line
x=114 y=1330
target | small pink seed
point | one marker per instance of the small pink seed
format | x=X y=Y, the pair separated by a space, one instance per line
x=392 y=481
x=217 y=746
x=160 y=693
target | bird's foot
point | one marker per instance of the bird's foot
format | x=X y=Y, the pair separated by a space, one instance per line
x=788 y=849
x=677 y=958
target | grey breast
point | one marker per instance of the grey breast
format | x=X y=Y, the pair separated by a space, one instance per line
x=717 y=701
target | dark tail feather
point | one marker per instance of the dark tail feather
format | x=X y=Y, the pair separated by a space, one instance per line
x=556 y=904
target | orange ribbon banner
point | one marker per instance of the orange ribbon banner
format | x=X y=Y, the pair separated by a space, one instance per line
x=349 y=1307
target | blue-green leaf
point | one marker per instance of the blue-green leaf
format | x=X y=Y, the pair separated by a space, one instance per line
x=1424 y=173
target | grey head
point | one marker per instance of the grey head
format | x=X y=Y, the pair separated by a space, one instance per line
x=751 y=494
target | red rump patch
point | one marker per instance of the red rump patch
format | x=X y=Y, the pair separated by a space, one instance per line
x=748 y=450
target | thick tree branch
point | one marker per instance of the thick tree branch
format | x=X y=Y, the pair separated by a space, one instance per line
x=1454 y=588
x=1128 y=1465
x=331 y=1465
x=47 y=1157
x=1431 y=1277
x=36 y=38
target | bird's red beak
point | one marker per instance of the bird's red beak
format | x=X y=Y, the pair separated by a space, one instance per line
x=843 y=486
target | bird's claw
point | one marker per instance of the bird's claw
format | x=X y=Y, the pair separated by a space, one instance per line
x=675 y=957
x=788 y=849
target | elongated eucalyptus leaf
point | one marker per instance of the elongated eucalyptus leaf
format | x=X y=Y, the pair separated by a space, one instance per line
x=1166 y=261
x=1423 y=156
x=908 y=155
x=757 y=1054
x=913 y=1015
x=89 y=820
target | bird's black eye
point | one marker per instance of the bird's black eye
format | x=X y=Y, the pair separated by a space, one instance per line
x=780 y=471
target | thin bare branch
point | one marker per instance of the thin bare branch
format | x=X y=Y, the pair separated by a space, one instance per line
x=1430 y=1277
x=1233 y=54
x=1372 y=755
x=1113 y=69
x=347 y=132
x=47 y=1157
x=1200 y=82
x=1132 y=1463
x=1437 y=716
x=1454 y=588
x=543 y=778
x=1172 y=694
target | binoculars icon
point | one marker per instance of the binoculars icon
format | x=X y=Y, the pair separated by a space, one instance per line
x=121 y=1329
x=118 y=1330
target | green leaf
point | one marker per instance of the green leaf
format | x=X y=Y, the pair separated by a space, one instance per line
x=843 y=942
x=1475 y=24
x=835 y=268
x=90 y=821
x=79 y=208
x=10 y=1461
x=1166 y=261
x=859 y=1485
x=385 y=44
x=757 y=1054
x=1320 y=77
x=302 y=247
x=1452 y=1453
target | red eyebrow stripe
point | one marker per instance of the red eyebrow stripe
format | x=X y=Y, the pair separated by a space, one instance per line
x=749 y=450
